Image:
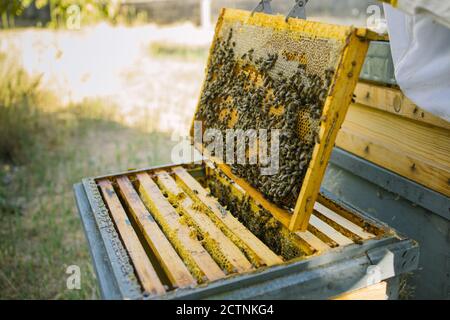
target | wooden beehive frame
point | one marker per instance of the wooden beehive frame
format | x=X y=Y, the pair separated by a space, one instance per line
x=126 y=260
x=149 y=208
x=355 y=43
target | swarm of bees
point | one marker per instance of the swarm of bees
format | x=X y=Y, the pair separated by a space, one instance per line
x=261 y=223
x=247 y=85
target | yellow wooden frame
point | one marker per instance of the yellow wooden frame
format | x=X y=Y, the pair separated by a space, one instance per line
x=393 y=3
x=355 y=43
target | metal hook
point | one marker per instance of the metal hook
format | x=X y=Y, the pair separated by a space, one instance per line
x=298 y=11
x=263 y=6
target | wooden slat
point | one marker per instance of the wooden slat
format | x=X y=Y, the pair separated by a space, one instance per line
x=347 y=224
x=144 y=269
x=353 y=217
x=394 y=101
x=374 y=292
x=371 y=35
x=321 y=226
x=329 y=231
x=226 y=253
x=426 y=173
x=278 y=213
x=190 y=249
x=334 y=111
x=312 y=241
x=413 y=150
x=174 y=267
x=267 y=256
x=401 y=133
x=309 y=242
x=236 y=189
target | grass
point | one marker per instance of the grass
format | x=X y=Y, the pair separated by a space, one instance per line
x=177 y=51
x=22 y=125
x=44 y=150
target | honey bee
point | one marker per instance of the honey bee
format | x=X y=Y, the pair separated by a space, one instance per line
x=228 y=80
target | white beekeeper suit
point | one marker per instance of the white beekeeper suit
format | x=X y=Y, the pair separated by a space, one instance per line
x=420 y=45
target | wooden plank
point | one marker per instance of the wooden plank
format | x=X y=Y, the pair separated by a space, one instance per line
x=396 y=130
x=371 y=35
x=144 y=269
x=357 y=219
x=313 y=241
x=394 y=101
x=426 y=173
x=329 y=231
x=282 y=215
x=230 y=225
x=173 y=266
x=307 y=243
x=374 y=292
x=346 y=224
x=307 y=236
x=413 y=150
x=333 y=115
x=196 y=257
x=225 y=252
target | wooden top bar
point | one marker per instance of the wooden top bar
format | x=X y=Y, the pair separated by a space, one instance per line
x=189 y=248
x=144 y=269
x=174 y=267
x=347 y=224
x=226 y=253
x=267 y=256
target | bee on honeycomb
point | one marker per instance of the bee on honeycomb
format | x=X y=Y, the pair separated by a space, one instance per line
x=269 y=87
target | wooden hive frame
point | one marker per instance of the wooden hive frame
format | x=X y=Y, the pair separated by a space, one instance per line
x=336 y=104
x=157 y=213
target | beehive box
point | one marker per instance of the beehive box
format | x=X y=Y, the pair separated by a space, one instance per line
x=209 y=229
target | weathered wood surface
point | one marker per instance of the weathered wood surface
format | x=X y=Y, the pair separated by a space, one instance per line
x=230 y=225
x=172 y=264
x=415 y=150
x=189 y=248
x=394 y=101
x=226 y=253
x=145 y=271
x=374 y=292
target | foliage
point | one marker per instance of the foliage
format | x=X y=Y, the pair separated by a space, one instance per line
x=178 y=51
x=15 y=7
x=22 y=123
x=44 y=150
x=90 y=10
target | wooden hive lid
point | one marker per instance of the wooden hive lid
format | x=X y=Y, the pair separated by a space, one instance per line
x=297 y=77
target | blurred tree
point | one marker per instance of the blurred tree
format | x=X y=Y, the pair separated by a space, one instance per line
x=90 y=10
x=11 y=9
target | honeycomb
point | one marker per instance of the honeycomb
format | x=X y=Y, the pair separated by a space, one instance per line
x=270 y=77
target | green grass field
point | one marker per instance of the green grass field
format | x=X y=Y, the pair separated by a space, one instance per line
x=43 y=153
